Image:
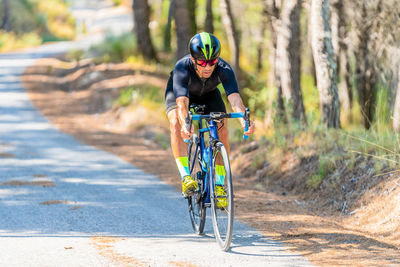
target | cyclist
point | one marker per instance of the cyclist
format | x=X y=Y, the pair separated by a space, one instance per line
x=194 y=80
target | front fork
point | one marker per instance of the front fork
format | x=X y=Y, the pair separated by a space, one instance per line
x=209 y=176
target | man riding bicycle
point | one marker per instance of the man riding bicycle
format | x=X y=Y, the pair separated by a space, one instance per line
x=194 y=80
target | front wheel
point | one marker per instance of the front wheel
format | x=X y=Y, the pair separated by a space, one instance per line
x=222 y=211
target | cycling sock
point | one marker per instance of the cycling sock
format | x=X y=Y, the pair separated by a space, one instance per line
x=183 y=166
x=220 y=174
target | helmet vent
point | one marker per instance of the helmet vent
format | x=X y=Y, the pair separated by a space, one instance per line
x=207 y=49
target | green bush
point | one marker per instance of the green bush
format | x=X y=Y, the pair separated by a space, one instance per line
x=10 y=41
x=115 y=48
x=34 y=22
x=117 y=2
x=75 y=54
x=125 y=97
x=258 y=161
x=140 y=93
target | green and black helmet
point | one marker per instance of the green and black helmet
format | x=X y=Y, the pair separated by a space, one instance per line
x=204 y=46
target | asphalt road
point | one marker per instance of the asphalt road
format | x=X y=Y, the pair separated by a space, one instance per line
x=61 y=200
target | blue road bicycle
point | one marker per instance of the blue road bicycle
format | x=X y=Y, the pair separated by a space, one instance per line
x=203 y=158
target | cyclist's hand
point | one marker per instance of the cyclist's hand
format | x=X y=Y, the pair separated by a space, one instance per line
x=186 y=135
x=251 y=129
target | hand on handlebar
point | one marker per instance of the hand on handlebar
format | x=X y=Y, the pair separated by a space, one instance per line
x=247 y=125
x=250 y=127
x=187 y=129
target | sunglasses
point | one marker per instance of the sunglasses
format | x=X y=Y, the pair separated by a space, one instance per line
x=204 y=63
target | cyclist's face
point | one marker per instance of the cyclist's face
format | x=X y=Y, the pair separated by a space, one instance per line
x=204 y=72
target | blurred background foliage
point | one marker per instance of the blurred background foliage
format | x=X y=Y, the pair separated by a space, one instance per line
x=254 y=80
x=26 y=23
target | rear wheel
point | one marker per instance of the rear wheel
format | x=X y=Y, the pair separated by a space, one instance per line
x=197 y=211
x=222 y=214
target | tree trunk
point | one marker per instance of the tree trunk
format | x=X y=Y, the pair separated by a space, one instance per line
x=273 y=20
x=6 y=24
x=339 y=33
x=345 y=94
x=334 y=21
x=365 y=73
x=260 y=48
x=167 y=28
x=310 y=68
x=288 y=50
x=192 y=16
x=183 y=27
x=396 y=112
x=209 y=23
x=324 y=63
x=141 y=11
x=231 y=31
x=274 y=80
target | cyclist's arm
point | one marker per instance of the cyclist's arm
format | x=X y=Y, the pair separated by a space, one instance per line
x=181 y=91
x=236 y=102
x=183 y=107
x=237 y=105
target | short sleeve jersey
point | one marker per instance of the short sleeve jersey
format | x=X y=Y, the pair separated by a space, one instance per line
x=187 y=83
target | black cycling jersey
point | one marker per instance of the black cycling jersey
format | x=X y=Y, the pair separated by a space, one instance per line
x=184 y=81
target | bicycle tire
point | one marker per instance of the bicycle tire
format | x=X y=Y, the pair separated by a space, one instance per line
x=197 y=211
x=222 y=217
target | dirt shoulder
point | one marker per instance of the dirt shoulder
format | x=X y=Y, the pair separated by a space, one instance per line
x=78 y=99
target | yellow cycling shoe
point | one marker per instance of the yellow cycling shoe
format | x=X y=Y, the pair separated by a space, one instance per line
x=221 y=197
x=189 y=185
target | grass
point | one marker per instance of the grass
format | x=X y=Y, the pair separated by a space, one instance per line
x=258 y=161
x=314 y=181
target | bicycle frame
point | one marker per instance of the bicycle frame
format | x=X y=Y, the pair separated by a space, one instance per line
x=208 y=152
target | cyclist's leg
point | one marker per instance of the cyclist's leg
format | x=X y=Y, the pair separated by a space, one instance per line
x=177 y=144
x=179 y=148
x=223 y=134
